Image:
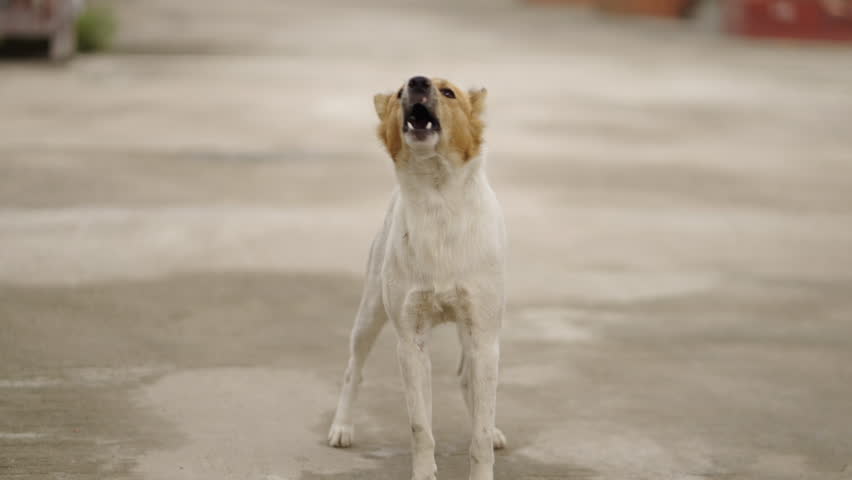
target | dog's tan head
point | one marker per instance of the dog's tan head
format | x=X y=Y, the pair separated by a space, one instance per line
x=431 y=115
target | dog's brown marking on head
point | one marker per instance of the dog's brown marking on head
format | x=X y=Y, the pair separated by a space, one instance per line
x=461 y=118
x=462 y=125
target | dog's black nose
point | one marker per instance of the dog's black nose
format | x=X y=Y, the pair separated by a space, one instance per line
x=419 y=83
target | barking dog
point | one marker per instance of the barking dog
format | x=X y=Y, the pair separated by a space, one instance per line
x=439 y=257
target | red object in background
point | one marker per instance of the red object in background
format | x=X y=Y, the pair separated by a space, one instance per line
x=563 y=2
x=799 y=19
x=656 y=8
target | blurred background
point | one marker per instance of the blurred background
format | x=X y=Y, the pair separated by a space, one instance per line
x=188 y=191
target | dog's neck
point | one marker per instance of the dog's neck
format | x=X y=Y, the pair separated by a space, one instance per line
x=431 y=177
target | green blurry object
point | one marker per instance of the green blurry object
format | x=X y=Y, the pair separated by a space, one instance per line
x=95 y=29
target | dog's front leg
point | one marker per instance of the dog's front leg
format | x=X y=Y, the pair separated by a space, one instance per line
x=483 y=384
x=413 y=330
x=479 y=326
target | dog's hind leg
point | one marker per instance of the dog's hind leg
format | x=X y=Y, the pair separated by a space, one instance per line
x=369 y=321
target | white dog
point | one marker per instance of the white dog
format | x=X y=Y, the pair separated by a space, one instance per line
x=438 y=258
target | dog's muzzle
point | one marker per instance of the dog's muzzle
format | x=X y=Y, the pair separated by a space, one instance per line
x=419 y=104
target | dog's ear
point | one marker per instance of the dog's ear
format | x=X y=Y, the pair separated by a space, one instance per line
x=388 y=128
x=477 y=99
x=380 y=101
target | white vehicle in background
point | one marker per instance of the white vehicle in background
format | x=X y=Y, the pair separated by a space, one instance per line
x=53 y=20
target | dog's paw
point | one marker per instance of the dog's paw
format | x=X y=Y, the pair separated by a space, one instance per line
x=481 y=472
x=424 y=468
x=341 y=436
x=499 y=439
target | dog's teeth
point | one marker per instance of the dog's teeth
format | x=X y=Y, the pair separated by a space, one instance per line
x=429 y=126
x=410 y=126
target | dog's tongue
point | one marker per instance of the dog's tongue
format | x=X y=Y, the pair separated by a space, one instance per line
x=419 y=123
x=421 y=134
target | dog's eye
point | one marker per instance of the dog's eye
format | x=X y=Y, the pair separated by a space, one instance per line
x=449 y=93
x=399 y=93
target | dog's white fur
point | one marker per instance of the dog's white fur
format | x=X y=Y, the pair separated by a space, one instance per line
x=439 y=257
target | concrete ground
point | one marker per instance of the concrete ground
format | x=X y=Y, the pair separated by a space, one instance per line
x=184 y=222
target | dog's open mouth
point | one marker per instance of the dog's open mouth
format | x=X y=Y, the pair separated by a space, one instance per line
x=420 y=121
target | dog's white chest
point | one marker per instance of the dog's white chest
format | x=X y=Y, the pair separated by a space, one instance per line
x=444 y=241
x=434 y=239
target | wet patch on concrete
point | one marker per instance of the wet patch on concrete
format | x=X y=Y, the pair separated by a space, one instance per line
x=190 y=320
x=241 y=423
x=75 y=362
x=77 y=431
